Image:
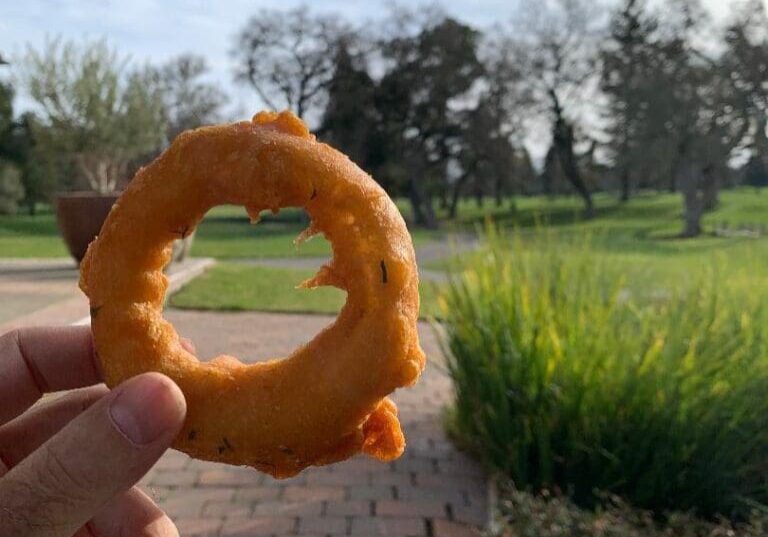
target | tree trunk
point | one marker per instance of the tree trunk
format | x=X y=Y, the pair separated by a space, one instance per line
x=694 y=208
x=453 y=209
x=710 y=190
x=625 y=186
x=688 y=180
x=498 y=187
x=564 y=143
x=444 y=198
x=423 y=212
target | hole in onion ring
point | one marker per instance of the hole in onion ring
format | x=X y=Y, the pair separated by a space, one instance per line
x=254 y=284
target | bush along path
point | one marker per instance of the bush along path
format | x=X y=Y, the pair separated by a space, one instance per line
x=433 y=490
x=572 y=375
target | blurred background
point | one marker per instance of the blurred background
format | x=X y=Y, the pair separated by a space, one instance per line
x=585 y=183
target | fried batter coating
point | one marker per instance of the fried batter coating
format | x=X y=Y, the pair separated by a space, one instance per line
x=327 y=400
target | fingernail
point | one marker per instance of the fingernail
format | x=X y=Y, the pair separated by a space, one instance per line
x=147 y=407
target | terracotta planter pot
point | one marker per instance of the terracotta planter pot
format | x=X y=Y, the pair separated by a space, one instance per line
x=80 y=216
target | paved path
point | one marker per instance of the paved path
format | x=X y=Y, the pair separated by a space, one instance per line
x=31 y=285
x=44 y=291
x=433 y=490
x=425 y=253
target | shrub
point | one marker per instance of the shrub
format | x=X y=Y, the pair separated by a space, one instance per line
x=565 y=379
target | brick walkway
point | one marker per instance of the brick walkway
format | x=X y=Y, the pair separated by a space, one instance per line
x=433 y=490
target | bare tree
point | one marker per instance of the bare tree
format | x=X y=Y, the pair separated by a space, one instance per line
x=556 y=42
x=494 y=126
x=190 y=102
x=746 y=64
x=287 y=57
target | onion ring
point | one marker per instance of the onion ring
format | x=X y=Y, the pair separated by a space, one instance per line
x=327 y=400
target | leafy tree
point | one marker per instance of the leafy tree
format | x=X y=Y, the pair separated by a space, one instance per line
x=487 y=153
x=702 y=115
x=486 y=156
x=189 y=101
x=745 y=62
x=525 y=173
x=755 y=172
x=287 y=57
x=626 y=60
x=96 y=112
x=350 y=118
x=40 y=171
x=11 y=188
x=429 y=72
x=6 y=114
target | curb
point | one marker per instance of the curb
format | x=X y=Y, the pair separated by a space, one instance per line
x=180 y=276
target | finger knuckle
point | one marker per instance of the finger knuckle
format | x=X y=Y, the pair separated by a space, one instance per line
x=59 y=479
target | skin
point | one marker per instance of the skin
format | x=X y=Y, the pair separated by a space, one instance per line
x=68 y=464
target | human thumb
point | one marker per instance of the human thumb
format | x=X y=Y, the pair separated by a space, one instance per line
x=101 y=453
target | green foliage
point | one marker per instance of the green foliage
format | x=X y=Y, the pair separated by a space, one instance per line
x=11 y=189
x=96 y=113
x=31 y=236
x=567 y=377
x=350 y=112
x=6 y=113
x=526 y=515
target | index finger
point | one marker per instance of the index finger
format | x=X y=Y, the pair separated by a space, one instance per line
x=34 y=361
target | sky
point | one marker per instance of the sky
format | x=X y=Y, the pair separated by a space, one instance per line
x=157 y=30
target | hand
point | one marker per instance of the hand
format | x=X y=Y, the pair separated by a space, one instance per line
x=68 y=465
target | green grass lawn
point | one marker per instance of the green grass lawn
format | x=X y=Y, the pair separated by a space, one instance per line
x=31 y=236
x=640 y=237
x=226 y=233
x=645 y=225
x=239 y=287
x=637 y=239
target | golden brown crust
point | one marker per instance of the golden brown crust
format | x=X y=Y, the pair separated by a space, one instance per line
x=327 y=400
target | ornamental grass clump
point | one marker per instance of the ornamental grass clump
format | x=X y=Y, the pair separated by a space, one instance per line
x=566 y=378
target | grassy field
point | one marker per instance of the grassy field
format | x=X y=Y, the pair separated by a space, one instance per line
x=637 y=239
x=646 y=226
x=225 y=233
x=238 y=287
x=640 y=238
x=31 y=236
